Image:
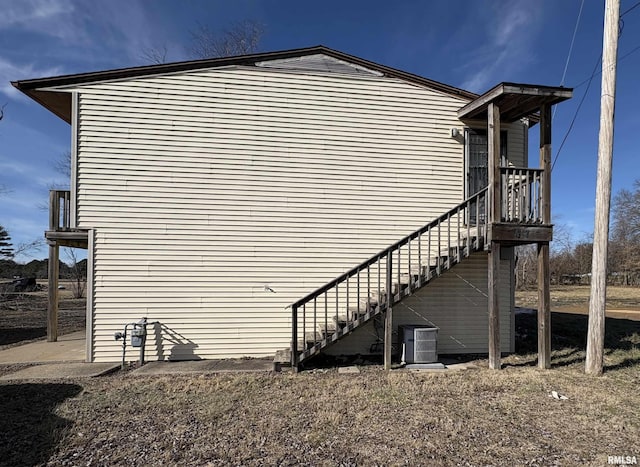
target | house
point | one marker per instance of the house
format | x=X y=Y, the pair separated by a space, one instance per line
x=305 y=199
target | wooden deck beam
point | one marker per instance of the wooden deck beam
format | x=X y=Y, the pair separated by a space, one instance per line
x=520 y=234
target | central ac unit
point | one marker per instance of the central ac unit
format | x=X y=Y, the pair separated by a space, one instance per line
x=419 y=343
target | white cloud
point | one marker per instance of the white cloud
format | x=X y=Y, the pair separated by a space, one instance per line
x=507 y=44
x=49 y=17
x=13 y=71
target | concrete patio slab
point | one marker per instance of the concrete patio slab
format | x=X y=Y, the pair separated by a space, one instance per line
x=69 y=348
x=62 y=371
x=348 y=370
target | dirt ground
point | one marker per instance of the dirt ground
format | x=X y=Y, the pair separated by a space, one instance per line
x=319 y=417
x=23 y=316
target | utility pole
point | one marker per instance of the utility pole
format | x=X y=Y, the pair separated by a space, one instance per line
x=595 y=336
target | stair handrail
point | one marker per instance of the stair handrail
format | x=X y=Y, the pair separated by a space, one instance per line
x=403 y=241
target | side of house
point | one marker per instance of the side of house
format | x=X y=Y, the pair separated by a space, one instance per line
x=215 y=197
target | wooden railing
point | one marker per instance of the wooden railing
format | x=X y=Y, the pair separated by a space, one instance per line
x=521 y=195
x=59 y=210
x=355 y=297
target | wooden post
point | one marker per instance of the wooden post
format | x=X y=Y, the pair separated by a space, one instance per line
x=388 y=316
x=493 y=142
x=595 y=335
x=52 y=310
x=544 y=307
x=494 y=306
x=544 y=275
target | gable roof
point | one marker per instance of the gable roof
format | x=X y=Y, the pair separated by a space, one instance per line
x=59 y=103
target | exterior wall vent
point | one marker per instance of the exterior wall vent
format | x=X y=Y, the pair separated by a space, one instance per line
x=419 y=343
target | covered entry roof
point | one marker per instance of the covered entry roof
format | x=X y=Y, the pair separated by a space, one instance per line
x=514 y=101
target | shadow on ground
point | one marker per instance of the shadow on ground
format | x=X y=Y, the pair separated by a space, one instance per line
x=30 y=429
x=569 y=339
x=10 y=336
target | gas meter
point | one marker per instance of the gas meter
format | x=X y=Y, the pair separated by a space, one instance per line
x=138 y=334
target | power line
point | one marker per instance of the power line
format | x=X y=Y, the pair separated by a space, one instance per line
x=575 y=115
x=575 y=30
x=629 y=9
x=632 y=51
x=590 y=79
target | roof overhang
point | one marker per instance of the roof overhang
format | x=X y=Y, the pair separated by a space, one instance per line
x=58 y=101
x=515 y=101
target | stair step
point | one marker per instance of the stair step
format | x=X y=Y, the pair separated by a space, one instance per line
x=281 y=358
x=334 y=327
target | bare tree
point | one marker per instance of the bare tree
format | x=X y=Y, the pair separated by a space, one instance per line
x=155 y=55
x=62 y=165
x=29 y=246
x=240 y=38
x=526 y=266
x=625 y=247
x=78 y=272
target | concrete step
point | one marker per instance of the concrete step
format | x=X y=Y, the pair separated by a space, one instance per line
x=282 y=359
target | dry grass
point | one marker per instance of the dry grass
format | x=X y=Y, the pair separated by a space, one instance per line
x=577 y=296
x=472 y=417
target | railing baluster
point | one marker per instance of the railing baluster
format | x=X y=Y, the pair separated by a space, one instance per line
x=409 y=285
x=398 y=267
x=439 y=253
x=67 y=209
x=430 y=254
x=368 y=309
x=358 y=295
x=337 y=309
x=449 y=240
x=517 y=177
x=294 y=337
x=419 y=260
x=504 y=214
x=304 y=326
x=315 y=319
x=459 y=234
x=326 y=314
x=379 y=284
x=347 y=310
x=484 y=201
x=389 y=279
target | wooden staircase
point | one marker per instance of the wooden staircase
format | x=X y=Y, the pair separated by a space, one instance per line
x=368 y=290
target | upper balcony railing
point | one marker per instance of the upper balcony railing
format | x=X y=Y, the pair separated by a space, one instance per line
x=521 y=195
x=59 y=210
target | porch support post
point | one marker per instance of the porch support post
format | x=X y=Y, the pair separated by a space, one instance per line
x=52 y=309
x=544 y=276
x=493 y=133
x=388 y=316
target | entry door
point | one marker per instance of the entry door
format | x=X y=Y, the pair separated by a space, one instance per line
x=477 y=165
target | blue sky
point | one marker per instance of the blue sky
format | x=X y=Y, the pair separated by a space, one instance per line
x=469 y=44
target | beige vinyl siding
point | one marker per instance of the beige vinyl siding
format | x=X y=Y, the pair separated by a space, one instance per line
x=456 y=303
x=516 y=144
x=204 y=187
